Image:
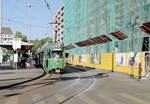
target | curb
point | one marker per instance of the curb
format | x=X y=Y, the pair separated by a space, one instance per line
x=15 y=84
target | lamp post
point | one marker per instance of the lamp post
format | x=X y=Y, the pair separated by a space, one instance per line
x=113 y=29
x=29 y=22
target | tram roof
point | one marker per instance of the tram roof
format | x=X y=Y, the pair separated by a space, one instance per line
x=48 y=46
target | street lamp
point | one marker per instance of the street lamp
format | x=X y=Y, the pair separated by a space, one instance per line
x=113 y=29
x=29 y=22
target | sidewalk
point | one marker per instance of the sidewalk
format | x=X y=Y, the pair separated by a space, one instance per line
x=10 y=77
x=114 y=75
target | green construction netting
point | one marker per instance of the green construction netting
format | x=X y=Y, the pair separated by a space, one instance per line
x=84 y=19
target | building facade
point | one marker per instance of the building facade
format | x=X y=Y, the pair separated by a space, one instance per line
x=7 y=35
x=104 y=34
x=58 y=27
x=88 y=19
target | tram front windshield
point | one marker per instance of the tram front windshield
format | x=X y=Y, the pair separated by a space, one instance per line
x=56 y=54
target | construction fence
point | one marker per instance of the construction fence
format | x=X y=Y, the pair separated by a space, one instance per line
x=119 y=62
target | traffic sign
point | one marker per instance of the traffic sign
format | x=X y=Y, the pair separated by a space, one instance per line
x=16 y=43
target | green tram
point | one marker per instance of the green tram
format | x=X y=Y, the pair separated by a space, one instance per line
x=51 y=58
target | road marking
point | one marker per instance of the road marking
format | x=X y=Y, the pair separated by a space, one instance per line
x=133 y=98
x=109 y=99
x=13 y=100
x=61 y=98
x=36 y=97
x=87 y=100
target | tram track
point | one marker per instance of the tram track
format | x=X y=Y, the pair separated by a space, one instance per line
x=28 y=87
x=79 y=79
x=17 y=86
x=69 y=88
x=23 y=82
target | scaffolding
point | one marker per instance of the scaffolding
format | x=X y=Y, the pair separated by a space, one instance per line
x=86 y=19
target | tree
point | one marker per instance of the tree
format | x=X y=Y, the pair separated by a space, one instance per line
x=9 y=52
x=20 y=35
x=39 y=43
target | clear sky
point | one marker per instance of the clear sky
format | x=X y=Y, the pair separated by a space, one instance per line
x=15 y=15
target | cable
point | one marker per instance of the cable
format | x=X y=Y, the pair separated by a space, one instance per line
x=47 y=4
x=14 y=21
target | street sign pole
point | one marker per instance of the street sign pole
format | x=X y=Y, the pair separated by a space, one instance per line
x=16 y=45
x=17 y=57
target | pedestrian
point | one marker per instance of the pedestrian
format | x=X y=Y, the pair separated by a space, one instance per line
x=140 y=72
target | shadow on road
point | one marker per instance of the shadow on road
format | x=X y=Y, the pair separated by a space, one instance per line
x=11 y=79
x=99 y=75
x=52 y=81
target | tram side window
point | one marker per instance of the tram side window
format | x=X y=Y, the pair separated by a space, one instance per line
x=56 y=54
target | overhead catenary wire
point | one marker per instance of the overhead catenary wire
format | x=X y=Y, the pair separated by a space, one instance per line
x=21 y=8
x=18 y=22
x=47 y=4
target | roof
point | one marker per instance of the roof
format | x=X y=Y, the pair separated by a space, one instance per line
x=6 y=30
x=145 y=27
x=31 y=41
x=10 y=45
x=69 y=47
x=92 y=41
x=119 y=35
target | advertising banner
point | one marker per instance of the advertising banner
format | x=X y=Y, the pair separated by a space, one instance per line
x=72 y=58
x=69 y=57
x=136 y=60
x=120 y=59
x=80 y=58
x=83 y=58
x=92 y=59
x=97 y=58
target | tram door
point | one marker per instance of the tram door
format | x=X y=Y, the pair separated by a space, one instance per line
x=147 y=65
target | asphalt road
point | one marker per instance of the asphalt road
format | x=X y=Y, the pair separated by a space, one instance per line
x=78 y=87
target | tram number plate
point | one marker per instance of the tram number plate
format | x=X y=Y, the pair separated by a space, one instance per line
x=57 y=70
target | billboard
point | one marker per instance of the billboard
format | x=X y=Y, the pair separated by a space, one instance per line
x=72 y=58
x=137 y=60
x=92 y=59
x=82 y=58
x=121 y=59
x=97 y=58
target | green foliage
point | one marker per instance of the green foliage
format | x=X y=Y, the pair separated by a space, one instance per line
x=20 y=35
x=9 y=52
x=38 y=43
